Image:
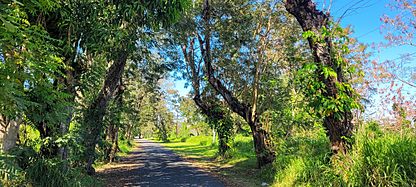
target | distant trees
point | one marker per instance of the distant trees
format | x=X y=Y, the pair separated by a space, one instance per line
x=79 y=78
x=56 y=55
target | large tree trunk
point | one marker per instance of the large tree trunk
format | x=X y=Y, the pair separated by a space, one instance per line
x=64 y=127
x=9 y=133
x=262 y=144
x=311 y=19
x=113 y=138
x=261 y=138
x=70 y=81
x=94 y=116
x=50 y=149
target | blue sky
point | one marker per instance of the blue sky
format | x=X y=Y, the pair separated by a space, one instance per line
x=366 y=24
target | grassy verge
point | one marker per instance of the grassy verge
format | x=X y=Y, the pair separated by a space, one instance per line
x=239 y=168
x=378 y=157
x=125 y=147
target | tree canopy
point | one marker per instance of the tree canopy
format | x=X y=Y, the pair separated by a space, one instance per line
x=280 y=82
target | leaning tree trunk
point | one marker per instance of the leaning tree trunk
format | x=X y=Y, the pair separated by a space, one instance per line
x=262 y=142
x=311 y=19
x=209 y=110
x=94 y=116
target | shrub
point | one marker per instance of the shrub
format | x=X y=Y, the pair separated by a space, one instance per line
x=23 y=166
x=11 y=173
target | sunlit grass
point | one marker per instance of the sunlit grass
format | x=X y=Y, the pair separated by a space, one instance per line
x=378 y=158
x=238 y=166
x=125 y=147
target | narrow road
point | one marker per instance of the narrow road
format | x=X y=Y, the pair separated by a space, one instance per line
x=153 y=165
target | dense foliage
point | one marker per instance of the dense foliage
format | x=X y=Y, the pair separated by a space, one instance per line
x=274 y=85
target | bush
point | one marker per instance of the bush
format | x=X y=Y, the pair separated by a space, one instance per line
x=51 y=173
x=23 y=166
x=125 y=146
x=11 y=173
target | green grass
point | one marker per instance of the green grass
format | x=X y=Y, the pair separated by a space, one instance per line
x=239 y=166
x=197 y=147
x=125 y=147
x=379 y=157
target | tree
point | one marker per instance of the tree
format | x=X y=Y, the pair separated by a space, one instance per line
x=192 y=70
x=135 y=15
x=206 y=99
x=400 y=28
x=337 y=94
x=396 y=77
x=247 y=109
x=240 y=49
x=29 y=61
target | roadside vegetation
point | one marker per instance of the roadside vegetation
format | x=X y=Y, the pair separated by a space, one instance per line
x=278 y=92
x=304 y=160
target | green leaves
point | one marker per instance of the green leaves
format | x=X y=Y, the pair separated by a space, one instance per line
x=9 y=26
x=327 y=71
x=28 y=56
x=9 y=169
x=308 y=34
x=316 y=91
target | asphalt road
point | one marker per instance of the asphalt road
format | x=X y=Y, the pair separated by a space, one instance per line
x=154 y=165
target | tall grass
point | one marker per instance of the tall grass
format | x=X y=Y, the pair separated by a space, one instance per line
x=201 y=140
x=242 y=147
x=378 y=158
x=303 y=159
x=381 y=158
